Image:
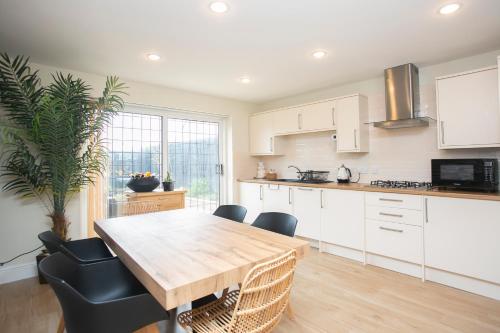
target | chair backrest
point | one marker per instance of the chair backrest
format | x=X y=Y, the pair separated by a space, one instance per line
x=280 y=223
x=231 y=212
x=264 y=295
x=51 y=241
x=140 y=207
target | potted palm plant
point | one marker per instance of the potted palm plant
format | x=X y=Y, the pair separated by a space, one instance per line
x=52 y=135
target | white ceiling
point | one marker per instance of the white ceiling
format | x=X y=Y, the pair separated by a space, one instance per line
x=269 y=40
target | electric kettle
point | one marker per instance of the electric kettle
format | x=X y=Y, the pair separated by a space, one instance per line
x=344 y=175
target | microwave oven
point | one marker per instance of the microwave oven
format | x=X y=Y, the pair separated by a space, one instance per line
x=474 y=174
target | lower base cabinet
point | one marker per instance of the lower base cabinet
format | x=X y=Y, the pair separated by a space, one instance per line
x=462 y=236
x=394 y=240
x=306 y=208
x=342 y=218
x=251 y=198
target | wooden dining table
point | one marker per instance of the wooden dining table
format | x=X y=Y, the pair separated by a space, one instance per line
x=182 y=255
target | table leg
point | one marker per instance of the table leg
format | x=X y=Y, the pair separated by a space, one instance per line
x=289 y=312
x=60 y=327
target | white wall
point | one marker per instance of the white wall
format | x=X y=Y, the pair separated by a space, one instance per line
x=402 y=154
x=21 y=221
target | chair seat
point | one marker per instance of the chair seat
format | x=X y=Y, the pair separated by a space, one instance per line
x=217 y=314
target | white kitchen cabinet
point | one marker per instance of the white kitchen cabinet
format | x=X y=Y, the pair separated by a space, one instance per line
x=342 y=218
x=277 y=198
x=261 y=135
x=468 y=109
x=286 y=121
x=461 y=236
x=306 y=208
x=394 y=240
x=351 y=115
x=251 y=197
x=317 y=117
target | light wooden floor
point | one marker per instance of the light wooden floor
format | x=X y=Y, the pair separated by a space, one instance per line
x=330 y=294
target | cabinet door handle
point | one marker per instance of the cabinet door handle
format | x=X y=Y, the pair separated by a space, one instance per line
x=355 y=139
x=289 y=195
x=260 y=192
x=333 y=116
x=390 y=229
x=321 y=199
x=426 y=211
x=389 y=214
x=391 y=200
x=441 y=123
x=271 y=144
x=271 y=188
x=304 y=189
x=299 y=120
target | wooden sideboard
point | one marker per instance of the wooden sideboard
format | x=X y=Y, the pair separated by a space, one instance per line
x=167 y=200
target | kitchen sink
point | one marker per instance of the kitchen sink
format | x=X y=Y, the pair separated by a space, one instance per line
x=295 y=180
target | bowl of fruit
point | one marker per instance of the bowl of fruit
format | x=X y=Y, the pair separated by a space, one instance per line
x=143 y=182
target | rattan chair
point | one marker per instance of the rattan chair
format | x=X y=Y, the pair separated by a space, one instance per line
x=257 y=307
x=140 y=207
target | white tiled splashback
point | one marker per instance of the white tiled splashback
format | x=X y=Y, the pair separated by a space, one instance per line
x=396 y=154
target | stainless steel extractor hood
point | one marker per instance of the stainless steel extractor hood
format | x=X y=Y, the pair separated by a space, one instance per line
x=402 y=98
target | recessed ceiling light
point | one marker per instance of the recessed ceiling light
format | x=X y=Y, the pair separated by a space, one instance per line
x=153 y=57
x=245 y=80
x=319 y=54
x=219 y=7
x=449 y=8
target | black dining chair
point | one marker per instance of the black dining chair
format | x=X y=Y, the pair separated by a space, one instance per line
x=102 y=297
x=231 y=212
x=280 y=223
x=84 y=251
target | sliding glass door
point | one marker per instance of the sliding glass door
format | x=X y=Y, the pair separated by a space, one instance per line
x=194 y=153
x=190 y=148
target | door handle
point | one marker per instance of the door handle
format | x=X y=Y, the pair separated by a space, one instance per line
x=304 y=189
x=260 y=192
x=426 y=211
x=289 y=195
x=321 y=199
x=389 y=214
x=441 y=124
x=391 y=200
x=299 y=120
x=271 y=144
x=390 y=229
x=355 y=139
x=333 y=116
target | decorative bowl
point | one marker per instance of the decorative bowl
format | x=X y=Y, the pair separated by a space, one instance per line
x=143 y=184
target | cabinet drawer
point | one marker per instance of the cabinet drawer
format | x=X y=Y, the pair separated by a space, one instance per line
x=391 y=214
x=394 y=240
x=394 y=200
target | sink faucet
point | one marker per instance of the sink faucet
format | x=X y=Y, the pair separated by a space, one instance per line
x=299 y=173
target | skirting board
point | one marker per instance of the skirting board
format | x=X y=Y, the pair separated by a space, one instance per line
x=17 y=272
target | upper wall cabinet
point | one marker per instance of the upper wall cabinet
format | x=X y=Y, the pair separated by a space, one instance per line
x=347 y=115
x=262 y=139
x=351 y=115
x=306 y=118
x=468 y=109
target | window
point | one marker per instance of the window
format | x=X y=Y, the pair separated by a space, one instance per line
x=134 y=145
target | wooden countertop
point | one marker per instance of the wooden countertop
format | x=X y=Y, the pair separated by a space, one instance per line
x=367 y=188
